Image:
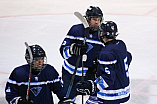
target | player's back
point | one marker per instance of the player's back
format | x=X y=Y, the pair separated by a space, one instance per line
x=113 y=68
x=118 y=52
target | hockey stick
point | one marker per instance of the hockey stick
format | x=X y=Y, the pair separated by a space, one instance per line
x=86 y=26
x=30 y=71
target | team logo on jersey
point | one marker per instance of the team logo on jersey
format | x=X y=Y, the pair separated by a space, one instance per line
x=89 y=47
x=36 y=90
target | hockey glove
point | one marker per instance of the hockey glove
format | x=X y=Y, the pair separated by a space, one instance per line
x=23 y=101
x=91 y=73
x=66 y=101
x=78 y=49
x=86 y=87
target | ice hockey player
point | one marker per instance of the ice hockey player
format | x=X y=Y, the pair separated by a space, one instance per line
x=44 y=80
x=73 y=46
x=112 y=80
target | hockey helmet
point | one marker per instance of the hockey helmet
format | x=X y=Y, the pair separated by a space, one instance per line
x=94 y=11
x=108 y=30
x=39 y=58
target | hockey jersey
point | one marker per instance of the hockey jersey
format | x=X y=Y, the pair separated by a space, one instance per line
x=76 y=35
x=41 y=85
x=112 y=75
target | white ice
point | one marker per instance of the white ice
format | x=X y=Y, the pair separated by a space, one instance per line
x=47 y=22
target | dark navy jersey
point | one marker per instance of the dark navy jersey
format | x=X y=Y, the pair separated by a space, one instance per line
x=76 y=35
x=112 y=75
x=41 y=86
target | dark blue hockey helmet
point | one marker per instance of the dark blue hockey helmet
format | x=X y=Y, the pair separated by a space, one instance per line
x=94 y=11
x=39 y=58
x=108 y=30
x=36 y=50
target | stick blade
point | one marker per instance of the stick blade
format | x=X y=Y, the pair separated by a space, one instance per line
x=82 y=19
x=30 y=52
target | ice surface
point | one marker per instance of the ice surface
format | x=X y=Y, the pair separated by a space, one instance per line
x=137 y=28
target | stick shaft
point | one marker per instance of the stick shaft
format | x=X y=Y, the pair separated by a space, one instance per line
x=30 y=70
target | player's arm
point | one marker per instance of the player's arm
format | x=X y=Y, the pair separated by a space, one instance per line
x=106 y=70
x=105 y=79
x=70 y=46
x=107 y=76
x=65 y=46
x=57 y=84
x=11 y=88
x=89 y=87
x=12 y=92
x=129 y=57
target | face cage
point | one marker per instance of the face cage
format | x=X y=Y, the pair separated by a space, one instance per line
x=38 y=64
x=107 y=35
